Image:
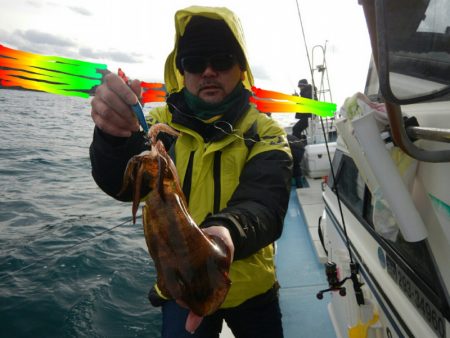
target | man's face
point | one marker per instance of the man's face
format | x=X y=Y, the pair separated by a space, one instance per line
x=211 y=85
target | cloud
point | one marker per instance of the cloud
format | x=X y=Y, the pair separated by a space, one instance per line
x=260 y=72
x=38 y=42
x=35 y=41
x=6 y=38
x=110 y=55
x=80 y=10
x=35 y=4
x=38 y=37
x=43 y=43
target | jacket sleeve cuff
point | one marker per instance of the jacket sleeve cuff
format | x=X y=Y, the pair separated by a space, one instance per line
x=105 y=140
x=109 y=157
x=232 y=223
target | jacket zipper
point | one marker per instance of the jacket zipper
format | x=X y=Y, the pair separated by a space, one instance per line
x=188 y=177
x=217 y=187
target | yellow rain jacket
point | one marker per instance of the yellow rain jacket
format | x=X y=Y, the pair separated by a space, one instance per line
x=236 y=174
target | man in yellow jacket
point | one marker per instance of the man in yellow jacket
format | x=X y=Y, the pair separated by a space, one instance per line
x=234 y=165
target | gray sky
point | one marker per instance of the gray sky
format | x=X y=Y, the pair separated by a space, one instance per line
x=137 y=35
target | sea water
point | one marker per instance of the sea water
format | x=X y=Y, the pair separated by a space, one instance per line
x=72 y=264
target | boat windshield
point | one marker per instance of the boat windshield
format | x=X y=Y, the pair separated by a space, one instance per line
x=418 y=40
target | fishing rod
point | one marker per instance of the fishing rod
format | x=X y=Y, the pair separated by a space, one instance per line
x=331 y=271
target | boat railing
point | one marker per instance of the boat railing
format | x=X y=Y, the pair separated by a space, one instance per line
x=400 y=136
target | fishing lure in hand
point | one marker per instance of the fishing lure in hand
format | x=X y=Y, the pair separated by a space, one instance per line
x=137 y=107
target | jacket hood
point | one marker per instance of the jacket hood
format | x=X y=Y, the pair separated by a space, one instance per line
x=172 y=76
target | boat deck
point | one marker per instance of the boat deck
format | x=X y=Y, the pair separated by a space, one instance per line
x=300 y=270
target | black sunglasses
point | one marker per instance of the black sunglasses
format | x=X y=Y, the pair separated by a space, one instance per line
x=198 y=64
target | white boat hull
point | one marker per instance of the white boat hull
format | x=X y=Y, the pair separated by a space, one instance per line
x=399 y=315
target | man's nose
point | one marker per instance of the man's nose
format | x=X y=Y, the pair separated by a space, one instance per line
x=209 y=71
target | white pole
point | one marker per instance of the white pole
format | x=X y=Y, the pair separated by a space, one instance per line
x=389 y=179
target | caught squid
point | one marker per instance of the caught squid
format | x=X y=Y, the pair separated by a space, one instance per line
x=192 y=267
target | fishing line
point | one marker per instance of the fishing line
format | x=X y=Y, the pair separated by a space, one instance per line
x=330 y=267
x=183 y=113
x=353 y=266
x=60 y=251
x=233 y=132
x=48 y=231
x=347 y=239
x=304 y=40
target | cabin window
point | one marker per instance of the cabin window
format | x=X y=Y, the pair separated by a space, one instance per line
x=372 y=89
x=350 y=184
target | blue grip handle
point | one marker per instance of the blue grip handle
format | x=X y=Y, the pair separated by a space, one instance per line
x=137 y=108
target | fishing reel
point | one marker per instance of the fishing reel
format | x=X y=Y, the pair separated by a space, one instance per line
x=333 y=281
x=336 y=285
